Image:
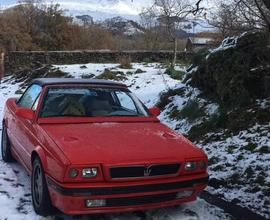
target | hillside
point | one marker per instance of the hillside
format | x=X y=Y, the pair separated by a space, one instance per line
x=225 y=108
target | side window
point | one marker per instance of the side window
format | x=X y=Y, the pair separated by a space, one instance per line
x=126 y=101
x=35 y=105
x=30 y=96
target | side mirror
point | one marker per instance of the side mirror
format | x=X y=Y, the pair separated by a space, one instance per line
x=25 y=113
x=155 y=111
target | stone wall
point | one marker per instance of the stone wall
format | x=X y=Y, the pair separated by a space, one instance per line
x=17 y=59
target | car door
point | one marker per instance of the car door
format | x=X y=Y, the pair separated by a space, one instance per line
x=24 y=128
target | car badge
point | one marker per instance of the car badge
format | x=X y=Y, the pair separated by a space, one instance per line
x=147 y=171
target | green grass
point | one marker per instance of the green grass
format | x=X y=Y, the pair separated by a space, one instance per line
x=19 y=92
x=260 y=178
x=184 y=62
x=175 y=113
x=250 y=147
x=240 y=157
x=231 y=149
x=212 y=160
x=264 y=150
x=249 y=172
x=218 y=168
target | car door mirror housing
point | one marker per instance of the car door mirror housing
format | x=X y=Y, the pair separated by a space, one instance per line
x=155 y=111
x=25 y=113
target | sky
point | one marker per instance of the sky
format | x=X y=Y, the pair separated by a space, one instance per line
x=102 y=9
x=121 y=7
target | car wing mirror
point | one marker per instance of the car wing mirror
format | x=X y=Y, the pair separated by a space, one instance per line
x=25 y=113
x=155 y=111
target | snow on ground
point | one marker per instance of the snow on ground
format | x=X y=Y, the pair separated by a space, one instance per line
x=15 y=197
x=238 y=163
x=235 y=157
x=147 y=86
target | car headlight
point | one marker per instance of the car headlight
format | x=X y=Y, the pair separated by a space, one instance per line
x=73 y=173
x=90 y=172
x=190 y=166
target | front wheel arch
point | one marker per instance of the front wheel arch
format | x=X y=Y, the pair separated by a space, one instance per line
x=39 y=153
x=5 y=145
x=44 y=205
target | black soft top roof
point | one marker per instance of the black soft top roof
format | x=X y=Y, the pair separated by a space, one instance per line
x=58 y=81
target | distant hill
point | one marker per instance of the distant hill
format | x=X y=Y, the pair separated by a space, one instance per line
x=101 y=10
x=120 y=25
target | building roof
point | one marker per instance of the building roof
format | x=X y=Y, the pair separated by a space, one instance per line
x=58 y=81
x=200 y=40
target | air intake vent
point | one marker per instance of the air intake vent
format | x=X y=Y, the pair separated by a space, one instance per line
x=141 y=171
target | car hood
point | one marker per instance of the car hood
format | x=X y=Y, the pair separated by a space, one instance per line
x=117 y=143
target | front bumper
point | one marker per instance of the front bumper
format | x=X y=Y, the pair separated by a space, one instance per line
x=71 y=198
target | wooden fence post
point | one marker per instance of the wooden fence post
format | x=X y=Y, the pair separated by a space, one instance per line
x=2 y=56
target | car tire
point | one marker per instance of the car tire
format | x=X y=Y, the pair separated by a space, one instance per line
x=6 y=146
x=40 y=194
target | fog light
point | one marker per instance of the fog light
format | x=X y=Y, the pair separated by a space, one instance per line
x=89 y=172
x=190 y=166
x=95 y=203
x=73 y=173
x=184 y=194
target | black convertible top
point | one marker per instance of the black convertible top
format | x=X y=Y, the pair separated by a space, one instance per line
x=58 y=81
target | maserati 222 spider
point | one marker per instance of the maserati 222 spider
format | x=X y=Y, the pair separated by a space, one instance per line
x=92 y=147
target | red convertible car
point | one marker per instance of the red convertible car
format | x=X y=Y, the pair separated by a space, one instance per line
x=92 y=147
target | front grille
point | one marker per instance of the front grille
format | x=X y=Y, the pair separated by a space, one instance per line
x=144 y=171
x=126 y=189
x=132 y=201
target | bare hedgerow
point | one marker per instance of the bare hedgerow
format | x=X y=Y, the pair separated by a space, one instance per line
x=125 y=63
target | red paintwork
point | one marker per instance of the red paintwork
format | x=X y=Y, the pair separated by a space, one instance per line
x=155 y=111
x=25 y=113
x=64 y=143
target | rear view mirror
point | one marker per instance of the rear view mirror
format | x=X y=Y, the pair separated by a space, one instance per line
x=25 y=113
x=155 y=111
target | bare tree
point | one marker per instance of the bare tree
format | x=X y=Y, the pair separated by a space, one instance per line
x=242 y=15
x=153 y=36
x=29 y=9
x=171 y=14
x=267 y=4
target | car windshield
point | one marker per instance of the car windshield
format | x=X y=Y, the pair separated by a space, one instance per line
x=91 y=102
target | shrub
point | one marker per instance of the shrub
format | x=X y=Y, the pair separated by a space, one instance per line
x=216 y=121
x=249 y=172
x=125 y=63
x=138 y=71
x=192 y=111
x=165 y=97
x=88 y=76
x=175 y=74
x=146 y=60
x=108 y=74
x=250 y=147
x=235 y=74
x=264 y=150
x=199 y=56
